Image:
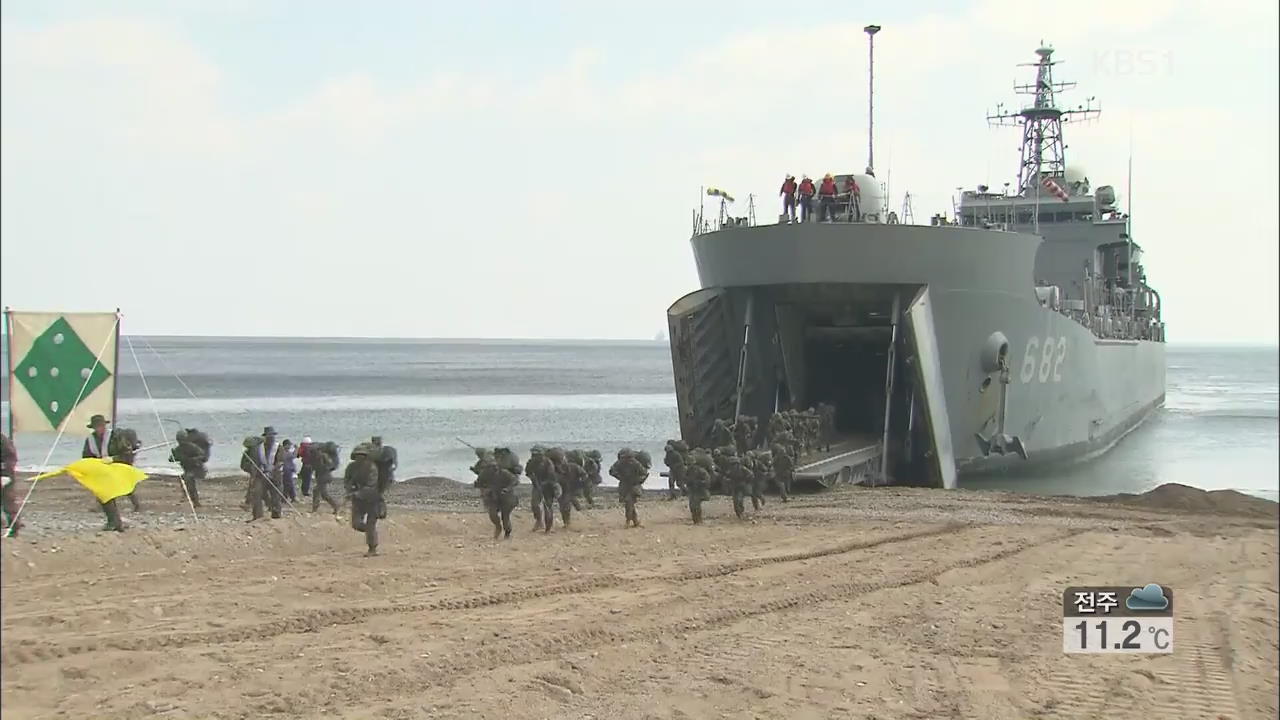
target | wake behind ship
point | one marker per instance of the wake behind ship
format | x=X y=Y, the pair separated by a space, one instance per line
x=1020 y=333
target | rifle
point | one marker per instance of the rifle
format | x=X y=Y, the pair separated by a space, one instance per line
x=464 y=442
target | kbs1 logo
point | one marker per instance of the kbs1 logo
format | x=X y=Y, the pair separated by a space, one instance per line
x=1123 y=62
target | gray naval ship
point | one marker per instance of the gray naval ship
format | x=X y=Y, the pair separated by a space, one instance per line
x=1020 y=332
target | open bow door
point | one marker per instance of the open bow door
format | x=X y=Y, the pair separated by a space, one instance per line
x=922 y=345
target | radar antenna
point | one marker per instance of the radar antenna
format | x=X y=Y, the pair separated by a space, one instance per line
x=1043 y=151
x=908 y=218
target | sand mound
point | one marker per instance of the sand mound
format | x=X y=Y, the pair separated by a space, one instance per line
x=1174 y=496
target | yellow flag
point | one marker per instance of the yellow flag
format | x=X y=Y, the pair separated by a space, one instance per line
x=106 y=480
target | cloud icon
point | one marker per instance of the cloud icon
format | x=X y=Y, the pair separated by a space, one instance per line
x=1148 y=597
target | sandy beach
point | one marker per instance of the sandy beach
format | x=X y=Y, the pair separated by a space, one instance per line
x=857 y=603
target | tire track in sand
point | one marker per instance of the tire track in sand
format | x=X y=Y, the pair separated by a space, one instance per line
x=35 y=651
x=455 y=668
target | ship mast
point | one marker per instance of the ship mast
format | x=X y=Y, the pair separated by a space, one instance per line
x=1043 y=151
x=871 y=31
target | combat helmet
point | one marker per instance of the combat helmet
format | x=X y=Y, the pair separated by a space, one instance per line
x=680 y=446
x=181 y=436
x=362 y=450
x=537 y=450
x=556 y=454
x=594 y=455
x=625 y=453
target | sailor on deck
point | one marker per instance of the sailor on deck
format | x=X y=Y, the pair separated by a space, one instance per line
x=855 y=199
x=788 y=193
x=827 y=199
x=807 y=191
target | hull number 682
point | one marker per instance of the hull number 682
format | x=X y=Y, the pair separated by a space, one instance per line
x=1043 y=359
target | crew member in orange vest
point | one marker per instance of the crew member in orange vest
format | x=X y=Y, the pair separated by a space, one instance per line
x=855 y=199
x=827 y=198
x=807 y=191
x=788 y=193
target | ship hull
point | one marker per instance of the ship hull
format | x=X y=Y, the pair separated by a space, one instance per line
x=1069 y=394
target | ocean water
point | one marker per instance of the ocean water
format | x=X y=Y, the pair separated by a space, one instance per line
x=1218 y=428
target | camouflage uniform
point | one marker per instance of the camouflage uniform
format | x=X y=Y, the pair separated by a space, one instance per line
x=191 y=452
x=630 y=472
x=777 y=426
x=742 y=434
x=537 y=469
x=783 y=467
x=576 y=457
x=722 y=434
x=123 y=448
x=762 y=466
x=675 y=467
x=361 y=483
x=739 y=477
x=721 y=457
x=498 y=491
x=262 y=460
x=324 y=460
x=387 y=460
x=571 y=477
x=9 y=469
x=697 y=480
x=591 y=463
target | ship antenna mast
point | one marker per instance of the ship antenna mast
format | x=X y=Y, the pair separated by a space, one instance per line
x=871 y=31
x=1043 y=151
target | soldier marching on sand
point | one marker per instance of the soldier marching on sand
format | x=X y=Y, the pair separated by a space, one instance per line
x=191 y=452
x=630 y=471
x=739 y=477
x=721 y=457
x=762 y=469
x=675 y=461
x=123 y=448
x=387 y=462
x=591 y=463
x=363 y=489
x=697 y=480
x=323 y=458
x=579 y=458
x=571 y=477
x=783 y=468
x=497 y=485
x=538 y=469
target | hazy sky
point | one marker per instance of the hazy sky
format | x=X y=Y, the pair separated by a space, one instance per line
x=528 y=169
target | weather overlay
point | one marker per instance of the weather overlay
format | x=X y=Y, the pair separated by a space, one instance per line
x=1118 y=619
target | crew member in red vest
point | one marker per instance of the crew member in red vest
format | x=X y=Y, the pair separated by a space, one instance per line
x=807 y=191
x=788 y=193
x=855 y=199
x=827 y=198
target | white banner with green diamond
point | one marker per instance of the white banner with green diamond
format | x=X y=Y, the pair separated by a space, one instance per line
x=57 y=358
